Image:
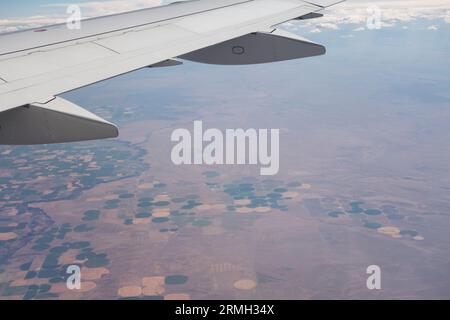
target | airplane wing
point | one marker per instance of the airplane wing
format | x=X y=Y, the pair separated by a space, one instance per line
x=39 y=64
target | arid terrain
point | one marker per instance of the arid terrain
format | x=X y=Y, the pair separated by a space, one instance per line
x=364 y=180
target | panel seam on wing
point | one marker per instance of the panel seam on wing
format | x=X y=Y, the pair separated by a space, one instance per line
x=105 y=47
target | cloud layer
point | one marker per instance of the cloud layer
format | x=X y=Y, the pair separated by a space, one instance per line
x=356 y=13
x=362 y=14
x=88 y=9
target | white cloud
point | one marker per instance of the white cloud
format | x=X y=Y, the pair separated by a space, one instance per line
x=14 y=24
x=97 y=8
x=433 y=27
x=391 y=13
x=355 y=13
x=328 y=25
x=88 y=9
x=447 y=17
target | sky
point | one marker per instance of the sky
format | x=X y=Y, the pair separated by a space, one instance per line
x=354 y=13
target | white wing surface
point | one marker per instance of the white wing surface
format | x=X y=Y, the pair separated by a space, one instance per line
x=37 y=65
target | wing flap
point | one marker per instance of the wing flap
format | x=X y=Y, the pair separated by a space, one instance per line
x=56 y=121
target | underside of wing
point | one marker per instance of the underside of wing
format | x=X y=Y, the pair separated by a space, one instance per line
x=56 y=121
x=258 y=47
x=38 y=65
